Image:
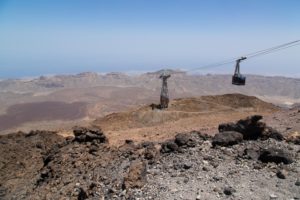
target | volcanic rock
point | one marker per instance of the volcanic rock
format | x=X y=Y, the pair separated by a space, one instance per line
x=282 y=174
x=229 y=127
x=182 y=139
x=168 y=146
x=229 y=190
x=275 y=155
x=227 y=138
x=252 y=128
x=270 y=132
x=83 y=134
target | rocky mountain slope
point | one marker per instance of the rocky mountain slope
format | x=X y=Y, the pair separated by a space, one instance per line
x=190 y=166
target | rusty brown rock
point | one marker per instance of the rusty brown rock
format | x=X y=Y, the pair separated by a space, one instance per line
x=136 y=177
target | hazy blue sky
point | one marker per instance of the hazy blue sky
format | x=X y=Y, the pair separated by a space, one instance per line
x=69 y=36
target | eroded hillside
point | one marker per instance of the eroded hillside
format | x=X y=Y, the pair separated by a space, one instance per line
x=244 y=159
x=103 y=94
x=183 y=115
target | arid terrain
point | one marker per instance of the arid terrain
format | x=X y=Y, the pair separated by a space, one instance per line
x=149 y=100
x=78 y=137
x=63 y=101
x=211 y=147
x=183 y=115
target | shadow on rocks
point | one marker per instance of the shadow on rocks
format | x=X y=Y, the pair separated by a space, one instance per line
x=251 y=128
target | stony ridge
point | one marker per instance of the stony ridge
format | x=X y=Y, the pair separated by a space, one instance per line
x=189 y=166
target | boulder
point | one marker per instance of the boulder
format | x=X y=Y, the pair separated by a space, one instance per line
x=169 y=146
x=227 y=138
x=229 y=127
x=83 y=134
x=252 y=128
x=185 y=140
x=275 y=155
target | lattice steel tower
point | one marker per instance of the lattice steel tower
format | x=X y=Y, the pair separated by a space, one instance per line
x=164 y=95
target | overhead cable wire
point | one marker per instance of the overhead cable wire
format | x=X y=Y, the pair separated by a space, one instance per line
x=275 y=50
x=251 y=55
x=272 y=48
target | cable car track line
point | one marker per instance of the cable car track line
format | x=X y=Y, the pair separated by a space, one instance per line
x=251 y=55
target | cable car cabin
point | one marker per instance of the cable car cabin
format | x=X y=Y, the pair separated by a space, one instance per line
x=237 y=78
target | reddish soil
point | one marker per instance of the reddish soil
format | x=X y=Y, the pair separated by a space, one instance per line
x=183 y=115
x=41 y=111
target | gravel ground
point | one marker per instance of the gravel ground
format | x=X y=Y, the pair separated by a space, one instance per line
x=43 y=165
x=203 y=172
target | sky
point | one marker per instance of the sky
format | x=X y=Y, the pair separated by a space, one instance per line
x=43 y=37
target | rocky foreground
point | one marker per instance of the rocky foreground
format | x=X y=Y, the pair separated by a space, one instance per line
x=245 y=160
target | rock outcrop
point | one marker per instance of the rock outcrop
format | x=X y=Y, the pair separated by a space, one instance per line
x=86 y=167
x=250 y=128
x=83 y=134
x=227 y=138
x=275 y=155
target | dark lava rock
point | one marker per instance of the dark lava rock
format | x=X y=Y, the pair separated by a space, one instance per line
x=270 y=132
x=83 y=134
x=168 y=147
x=282 y=174
x=275 y=155
x=129 y=141
x=229 y=127
x=297 y=182
x=227 y=138
x=182 y=139
x=136 y=177
x=229 y=190
x=187 y=165
x=250 y=127
x=82 y=194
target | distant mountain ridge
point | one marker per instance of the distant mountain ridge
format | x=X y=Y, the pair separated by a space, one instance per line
x=180 y=83
x=93 y=95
